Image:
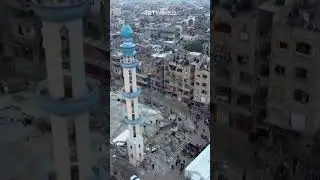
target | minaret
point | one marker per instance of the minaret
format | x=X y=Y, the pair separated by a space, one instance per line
x=131 y=93
x=67 y=94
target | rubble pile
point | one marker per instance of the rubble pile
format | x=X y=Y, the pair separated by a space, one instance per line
x=165 y=133
x=162 y=149
x=160 y=162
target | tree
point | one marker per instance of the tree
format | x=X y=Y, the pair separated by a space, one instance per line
x=194 y=46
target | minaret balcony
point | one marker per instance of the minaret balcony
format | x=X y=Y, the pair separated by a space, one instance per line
x=128 y=49
x=68 y=107
x=131 y=95
x=137 y=121
x=129 y=63
x=60 y=10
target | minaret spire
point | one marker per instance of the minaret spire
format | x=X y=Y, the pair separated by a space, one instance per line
x=131 y=93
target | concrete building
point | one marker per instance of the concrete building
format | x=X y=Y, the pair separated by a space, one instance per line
x=23 y=41
x=131 y=94
x=188 y=78
x=67 y=94
x=293 y=99
x=265 y=73
x=236 y=84
x=201 y=92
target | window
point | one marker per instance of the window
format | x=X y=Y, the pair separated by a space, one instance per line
x=65 y=51
x=245 y=77
x=204 y=92
x=244 y=99
x=140 y=154
x=139 y=145
x=179 y=70
x=74 y=172
x=68 y=92
x=298 y=121
x=20 y=30
x=131 y=156
x=130 y=147
x=185 y=80
x=303 y=48
x=204 y=84
x=223 y=93
x=134 y=131
x=198 y=75
x=204 y=76
x=264 y=71
x=222 y=27
x=301 y=73
x=27 y=30
x=243 y=59
x=301 y=96
x=197 y=83
x=283 y=45
x=223 y=73
x=244 y=36
x=280 y=70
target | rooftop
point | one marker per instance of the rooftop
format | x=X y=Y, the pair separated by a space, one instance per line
x=194 y=53
x=199 y=168
x=162 y=55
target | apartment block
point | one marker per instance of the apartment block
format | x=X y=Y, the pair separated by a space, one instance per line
x=24 y=47
x=265 y=65
x=293 y=99
x=235 y=81
x=187 y=77
x=201 y=92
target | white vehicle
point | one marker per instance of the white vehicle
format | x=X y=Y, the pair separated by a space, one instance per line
x=134 y=177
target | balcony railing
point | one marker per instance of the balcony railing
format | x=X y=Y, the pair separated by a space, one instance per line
x=68 y=107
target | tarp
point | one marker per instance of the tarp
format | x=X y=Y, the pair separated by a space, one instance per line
x=199 y=168
x=119 y=140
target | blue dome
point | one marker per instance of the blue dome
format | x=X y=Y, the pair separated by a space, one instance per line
x=126 y=31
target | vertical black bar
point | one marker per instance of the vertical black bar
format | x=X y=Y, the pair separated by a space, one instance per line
x=212 y=117
x=105 y=15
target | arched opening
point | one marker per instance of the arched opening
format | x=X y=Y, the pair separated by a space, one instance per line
x=190 y=22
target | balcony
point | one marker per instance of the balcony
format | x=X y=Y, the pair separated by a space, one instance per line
x=63 y=11
x=129 y=63
x=131 y=95
x=67 y=107
x=135 y=122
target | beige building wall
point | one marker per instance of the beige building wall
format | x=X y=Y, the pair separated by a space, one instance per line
x=294 y=98
x=201 y=92
x=235 y=49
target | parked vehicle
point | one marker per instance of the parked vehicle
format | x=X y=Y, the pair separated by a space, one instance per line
x=134 y=177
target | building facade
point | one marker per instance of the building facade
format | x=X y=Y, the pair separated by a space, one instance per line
x=266 y=73
x=24 y=45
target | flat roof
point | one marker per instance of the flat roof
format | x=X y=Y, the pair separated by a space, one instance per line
x=194 y=53
x=163 y=55
x=199 y=168
x=169 y=42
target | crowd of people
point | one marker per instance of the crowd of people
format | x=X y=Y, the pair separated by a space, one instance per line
x=192 y=150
